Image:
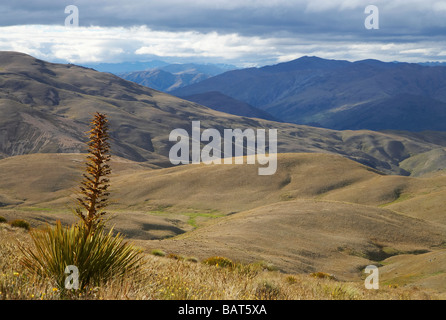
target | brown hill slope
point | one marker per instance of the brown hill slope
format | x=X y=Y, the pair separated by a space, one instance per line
x=425 y=270
x=319 y=212
x=45 y=108
x=48 y=181
x=309 y=236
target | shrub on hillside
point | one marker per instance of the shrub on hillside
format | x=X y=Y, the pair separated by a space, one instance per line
x=268 y=291
x=175 y=256
x=192 y=259
x=219 y=262
x=323 y=275
x=158 y=252
x=3 y=219
x=20 y=223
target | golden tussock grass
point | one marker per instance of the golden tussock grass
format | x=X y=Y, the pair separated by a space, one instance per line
x=179 y=279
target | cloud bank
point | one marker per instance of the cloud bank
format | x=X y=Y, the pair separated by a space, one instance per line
x=239 y=32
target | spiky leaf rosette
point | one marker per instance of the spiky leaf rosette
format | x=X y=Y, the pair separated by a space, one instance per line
x=100 y=256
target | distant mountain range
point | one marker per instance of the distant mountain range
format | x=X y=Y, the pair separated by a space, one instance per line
x=168 y=77
x=161 y=75
x=174 y=76
x=125 y=67
x=337 y=94
x=433 y=64
x=46 y=108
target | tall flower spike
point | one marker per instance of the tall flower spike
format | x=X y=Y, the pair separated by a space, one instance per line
x=94 y=186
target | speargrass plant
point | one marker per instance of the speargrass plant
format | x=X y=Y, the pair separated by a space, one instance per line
x=100 y=256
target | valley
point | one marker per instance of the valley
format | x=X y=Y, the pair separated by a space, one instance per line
x=331 y=214
x=339 y=199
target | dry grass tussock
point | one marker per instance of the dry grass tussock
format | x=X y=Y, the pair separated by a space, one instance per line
x=163 y=278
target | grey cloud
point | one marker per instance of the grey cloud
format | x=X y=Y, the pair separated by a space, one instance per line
x=329 y=28
x=245 y=17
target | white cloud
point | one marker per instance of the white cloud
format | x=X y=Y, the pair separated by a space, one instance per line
x=439 y=6
x=95 y=44
x=84 y=45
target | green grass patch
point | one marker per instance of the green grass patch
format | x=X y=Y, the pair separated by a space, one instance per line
x=401 y=198
x=192 y=216
x=158 y=252
x=404 y=280
x=192 y=221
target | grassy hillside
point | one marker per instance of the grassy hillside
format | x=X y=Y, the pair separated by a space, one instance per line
x=48 y=180
x=308 y=236
x=318 y=213
x=177 y=279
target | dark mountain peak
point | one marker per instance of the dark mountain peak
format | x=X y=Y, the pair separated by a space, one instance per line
x=310 y=58
x=306 y=63
x=379 y=64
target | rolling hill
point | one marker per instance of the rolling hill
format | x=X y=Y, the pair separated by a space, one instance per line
x=341 y=95
x=49 y=180
x=319 y=212
x=46 y=108
x=305 y=236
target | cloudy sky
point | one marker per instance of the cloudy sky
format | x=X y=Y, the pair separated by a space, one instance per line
x=242 y=32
